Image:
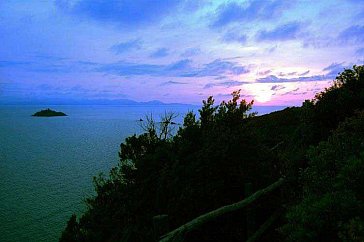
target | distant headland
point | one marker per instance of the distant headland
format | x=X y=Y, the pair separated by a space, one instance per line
x=48 y=113
x=72 y=101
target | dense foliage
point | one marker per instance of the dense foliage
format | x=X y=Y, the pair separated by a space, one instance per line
x=332 y=202
x=318 y=148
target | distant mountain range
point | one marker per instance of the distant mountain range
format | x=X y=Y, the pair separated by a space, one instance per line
x=260 y=109
x=82 y=102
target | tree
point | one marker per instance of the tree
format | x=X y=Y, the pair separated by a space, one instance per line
x=332 y=202
x=182 y=175
x=339 y=101
x=71 y=233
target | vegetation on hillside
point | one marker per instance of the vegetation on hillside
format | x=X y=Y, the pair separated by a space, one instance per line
x=318 y=148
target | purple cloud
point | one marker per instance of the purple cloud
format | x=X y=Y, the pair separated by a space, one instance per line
x=168 y=83
x=191 y=52
x=263 y=73
x=124 y=13
x=283 y=32
x=123 y=47
x=181 y=68
x=353 y=34
x=277 y=87
x=360 y=52
x=227 y=84
x=275 y=79
x=161 y=52
x=233 y=36
x=334 y=69
x=255 y=10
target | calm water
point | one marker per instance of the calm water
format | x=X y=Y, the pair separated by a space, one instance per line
x=47 y=164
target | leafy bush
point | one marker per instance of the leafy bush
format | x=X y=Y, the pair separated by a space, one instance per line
x=207 y=162
x=204 y=166
x=332 y=203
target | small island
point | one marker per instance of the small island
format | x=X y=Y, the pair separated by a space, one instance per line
x=48 y=113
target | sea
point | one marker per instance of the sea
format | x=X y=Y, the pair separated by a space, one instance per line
x=47 y=164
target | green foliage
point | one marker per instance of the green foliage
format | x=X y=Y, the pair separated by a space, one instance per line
x=207 y=111
x=332 y=188
x=182 y=176
x=71 y=233
x=353 y=230
x=319 y=147
x=338 y=102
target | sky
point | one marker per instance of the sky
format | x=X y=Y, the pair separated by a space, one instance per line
x=277 y=52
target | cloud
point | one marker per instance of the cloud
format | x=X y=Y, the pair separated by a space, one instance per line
x=228 y=95
x=360 y=52
x=360 y=15
x=123 y=47
x=181 y=65
x=161 y=52
x=271 y=49
x=254 y=10
x=275 y=79
x=234 y=36
x=353 y=34
x=304 y=73
x=263 y=73
x=14 y=63
x=124 y=13
x=287 y=74
x=294 y=73
x=55 y=94
x=36 y=66
x=181 y=68
x=172 y=83
x=231 y=83
x=219 y=66
x=277 y=87
x=334 y=69
x=295 y=92
x=123 y=68
x=283 y=32
x=49 y=58
x=191 y=52
x=50 y=65
x=318 y=42
x=87 y=63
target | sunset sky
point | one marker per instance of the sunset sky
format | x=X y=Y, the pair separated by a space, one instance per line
x=277 y=52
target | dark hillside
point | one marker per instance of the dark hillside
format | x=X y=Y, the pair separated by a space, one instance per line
x=225 y=156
